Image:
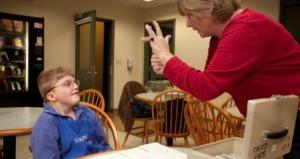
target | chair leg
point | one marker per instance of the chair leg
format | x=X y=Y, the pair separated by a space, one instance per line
x=186 y=142
x=1 y=152
x=159 y=139
x=126 y=138
x=127 y=135
x=146 y=132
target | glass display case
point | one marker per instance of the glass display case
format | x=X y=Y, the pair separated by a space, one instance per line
x=21 y=59
x=13 y=55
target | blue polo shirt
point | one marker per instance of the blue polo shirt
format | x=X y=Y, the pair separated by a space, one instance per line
x=55 y=136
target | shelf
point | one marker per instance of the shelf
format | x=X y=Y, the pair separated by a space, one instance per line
x=12 y=61
x=12 y=33
x=14 y=76
x=13 y=47
x=16 y=91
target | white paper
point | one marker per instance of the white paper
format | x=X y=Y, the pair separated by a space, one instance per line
x=110 y=156
x=148 y=151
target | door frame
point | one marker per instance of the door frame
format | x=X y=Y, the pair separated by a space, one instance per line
x=108 y=67
x=108 y=51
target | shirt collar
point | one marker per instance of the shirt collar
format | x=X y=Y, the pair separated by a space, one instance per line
x=78 y=109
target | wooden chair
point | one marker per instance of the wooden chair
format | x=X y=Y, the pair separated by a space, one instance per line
x=94 y=97
x=228 y=103
x=208 y=123
x=168 y=115
x=238 y=120
x=1 y=151
x=107 y=123
x=130 y=89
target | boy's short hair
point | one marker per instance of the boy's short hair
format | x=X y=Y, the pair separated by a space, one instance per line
x=48 y=78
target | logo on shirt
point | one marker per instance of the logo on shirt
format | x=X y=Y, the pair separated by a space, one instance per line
x=80 y=139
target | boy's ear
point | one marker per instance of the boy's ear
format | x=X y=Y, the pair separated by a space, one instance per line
x=51 y=97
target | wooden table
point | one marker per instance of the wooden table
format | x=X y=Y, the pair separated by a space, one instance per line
x=16 y=121
x=147 y=97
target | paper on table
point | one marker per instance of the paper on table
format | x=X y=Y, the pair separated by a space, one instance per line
x=153 y=151
x=163 y=152
x=149 y=151
x=110 y=156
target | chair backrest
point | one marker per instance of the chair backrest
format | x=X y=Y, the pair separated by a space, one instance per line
x=168 y=113
x=208 y=123
x=238 y=120
x=94 y=97
x=130 y=89
x=109 y=126
x=229 y=102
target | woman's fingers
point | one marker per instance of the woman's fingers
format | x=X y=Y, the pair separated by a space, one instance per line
x=155 y=60
x=151 y=33
x=146 y=39
x=157 y=29
x=167 y=38
x=157 y=64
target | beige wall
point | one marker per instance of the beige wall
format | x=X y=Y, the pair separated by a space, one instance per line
x=60 y=33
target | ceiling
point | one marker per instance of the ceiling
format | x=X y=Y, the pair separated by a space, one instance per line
x=141 y=4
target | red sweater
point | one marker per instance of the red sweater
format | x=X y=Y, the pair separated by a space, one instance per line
x=255 y=57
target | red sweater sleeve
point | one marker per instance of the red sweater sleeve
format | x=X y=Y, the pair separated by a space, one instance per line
x=239 y=52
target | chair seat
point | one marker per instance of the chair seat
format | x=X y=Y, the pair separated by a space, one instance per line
x=142 y=119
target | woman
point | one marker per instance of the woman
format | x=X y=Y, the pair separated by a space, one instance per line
x=250 y=56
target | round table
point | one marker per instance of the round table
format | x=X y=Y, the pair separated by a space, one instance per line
x=147 y=97
x=16 y=121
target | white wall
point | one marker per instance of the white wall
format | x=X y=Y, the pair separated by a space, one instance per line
x=60 y=33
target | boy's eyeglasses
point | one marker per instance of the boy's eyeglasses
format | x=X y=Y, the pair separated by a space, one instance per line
x=67 y=84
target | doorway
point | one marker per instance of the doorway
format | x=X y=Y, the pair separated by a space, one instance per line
x=290 y=15
x=94 y=43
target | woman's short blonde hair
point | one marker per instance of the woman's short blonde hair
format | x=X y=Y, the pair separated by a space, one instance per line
x=220 y=10
x=48 y=78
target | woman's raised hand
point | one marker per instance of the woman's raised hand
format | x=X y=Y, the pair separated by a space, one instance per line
x=160 y=47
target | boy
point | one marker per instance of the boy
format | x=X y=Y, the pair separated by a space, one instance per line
x=65 y=129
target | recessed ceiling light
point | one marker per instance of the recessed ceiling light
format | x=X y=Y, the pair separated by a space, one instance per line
x=147 y=0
